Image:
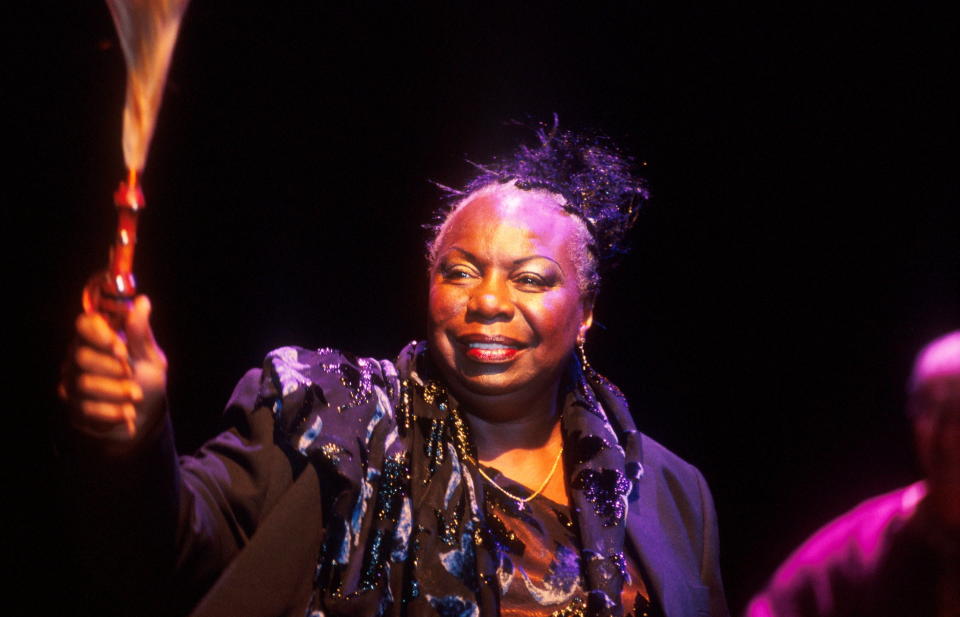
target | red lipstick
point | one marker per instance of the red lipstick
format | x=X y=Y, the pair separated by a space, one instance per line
x=490 y=349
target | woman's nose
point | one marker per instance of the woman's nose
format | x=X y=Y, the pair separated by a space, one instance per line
x=491 y=300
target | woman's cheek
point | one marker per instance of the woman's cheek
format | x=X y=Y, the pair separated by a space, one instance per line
x=557 y=315
x=443 y=305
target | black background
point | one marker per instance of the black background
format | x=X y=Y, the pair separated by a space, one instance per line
x=800 y=247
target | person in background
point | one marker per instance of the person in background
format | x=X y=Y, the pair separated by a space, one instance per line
x=899 y=553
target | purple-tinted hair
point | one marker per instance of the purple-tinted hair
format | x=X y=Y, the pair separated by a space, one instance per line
x=594 y=178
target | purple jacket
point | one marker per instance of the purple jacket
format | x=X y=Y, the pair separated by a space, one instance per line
x=317 y=499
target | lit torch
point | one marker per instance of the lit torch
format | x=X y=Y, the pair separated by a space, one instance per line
x=148 y=31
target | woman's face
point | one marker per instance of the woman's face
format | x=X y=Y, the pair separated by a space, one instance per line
x=505 y=301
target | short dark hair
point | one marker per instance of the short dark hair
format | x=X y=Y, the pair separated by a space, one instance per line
x=595 y=180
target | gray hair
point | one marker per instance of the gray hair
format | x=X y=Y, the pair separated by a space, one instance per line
x=588 y=176
x=588 y=275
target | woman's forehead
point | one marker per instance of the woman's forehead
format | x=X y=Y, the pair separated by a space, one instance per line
x=513 y=217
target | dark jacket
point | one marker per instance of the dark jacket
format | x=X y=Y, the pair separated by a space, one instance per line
x=256 y=511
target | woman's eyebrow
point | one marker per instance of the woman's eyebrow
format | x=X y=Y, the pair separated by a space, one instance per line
x=470 y=256
x=522 y=260
x=517 y=262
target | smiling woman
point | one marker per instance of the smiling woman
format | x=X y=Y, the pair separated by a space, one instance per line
x=488 y=470
x=506 y=307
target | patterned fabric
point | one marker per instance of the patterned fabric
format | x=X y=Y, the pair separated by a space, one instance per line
x=407 y=528
x=544 y=577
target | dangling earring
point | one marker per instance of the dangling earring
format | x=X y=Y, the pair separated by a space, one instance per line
x=587 y=375
x=582 y=352
x=591 y=376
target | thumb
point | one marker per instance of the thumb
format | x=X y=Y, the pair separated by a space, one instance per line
x=140 y=341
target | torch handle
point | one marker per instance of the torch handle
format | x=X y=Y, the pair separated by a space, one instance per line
x=111 y=292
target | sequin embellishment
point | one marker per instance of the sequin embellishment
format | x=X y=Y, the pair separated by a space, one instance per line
x=605 y=490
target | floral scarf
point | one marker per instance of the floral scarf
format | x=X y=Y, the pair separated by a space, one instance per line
x=406 y=532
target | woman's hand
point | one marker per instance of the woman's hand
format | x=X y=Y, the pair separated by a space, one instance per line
x=112 y=380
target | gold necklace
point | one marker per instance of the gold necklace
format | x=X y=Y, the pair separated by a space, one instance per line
x=434 y=393
x=546 y=481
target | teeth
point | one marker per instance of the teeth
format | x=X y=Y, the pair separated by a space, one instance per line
x=488 y=346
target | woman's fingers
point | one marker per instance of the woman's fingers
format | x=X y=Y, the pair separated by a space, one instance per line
x=112 y=378
x=89 y=360
x=98 y=387
x=106 y=412
x=94 y=331
x=103 y=401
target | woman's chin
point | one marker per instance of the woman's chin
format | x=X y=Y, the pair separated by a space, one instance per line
x=467 y=377
x=487 y=383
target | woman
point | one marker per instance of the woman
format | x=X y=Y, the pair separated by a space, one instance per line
x=488 y=470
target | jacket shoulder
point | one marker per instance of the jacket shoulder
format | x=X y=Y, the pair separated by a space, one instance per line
x=340 y=373
x=327 y=397
x=674 y=527
x=659 y=461
x=678 y=488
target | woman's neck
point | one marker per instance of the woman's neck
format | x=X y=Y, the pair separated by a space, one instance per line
x=530 y=431
x=514 y=421
x=525 y=449
x=518 y=433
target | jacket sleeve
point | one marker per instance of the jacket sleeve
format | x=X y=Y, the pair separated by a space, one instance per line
x=673 y=527
x=227 y=488
x=710 y=560
x=153 y=531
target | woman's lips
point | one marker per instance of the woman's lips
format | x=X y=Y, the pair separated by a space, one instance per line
x=490 y=350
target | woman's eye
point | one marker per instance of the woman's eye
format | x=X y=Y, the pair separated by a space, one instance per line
x=456 y=273
x=531 y=280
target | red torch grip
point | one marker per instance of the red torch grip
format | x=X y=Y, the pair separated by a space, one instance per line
x=111 y=292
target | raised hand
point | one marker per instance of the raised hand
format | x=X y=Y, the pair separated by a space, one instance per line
x=114 y=382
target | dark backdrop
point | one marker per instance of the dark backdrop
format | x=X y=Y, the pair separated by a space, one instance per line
x=800 y=246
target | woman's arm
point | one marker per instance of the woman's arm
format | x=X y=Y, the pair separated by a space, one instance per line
x=152 y=530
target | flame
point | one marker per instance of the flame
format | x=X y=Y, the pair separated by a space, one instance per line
x=148 y=30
